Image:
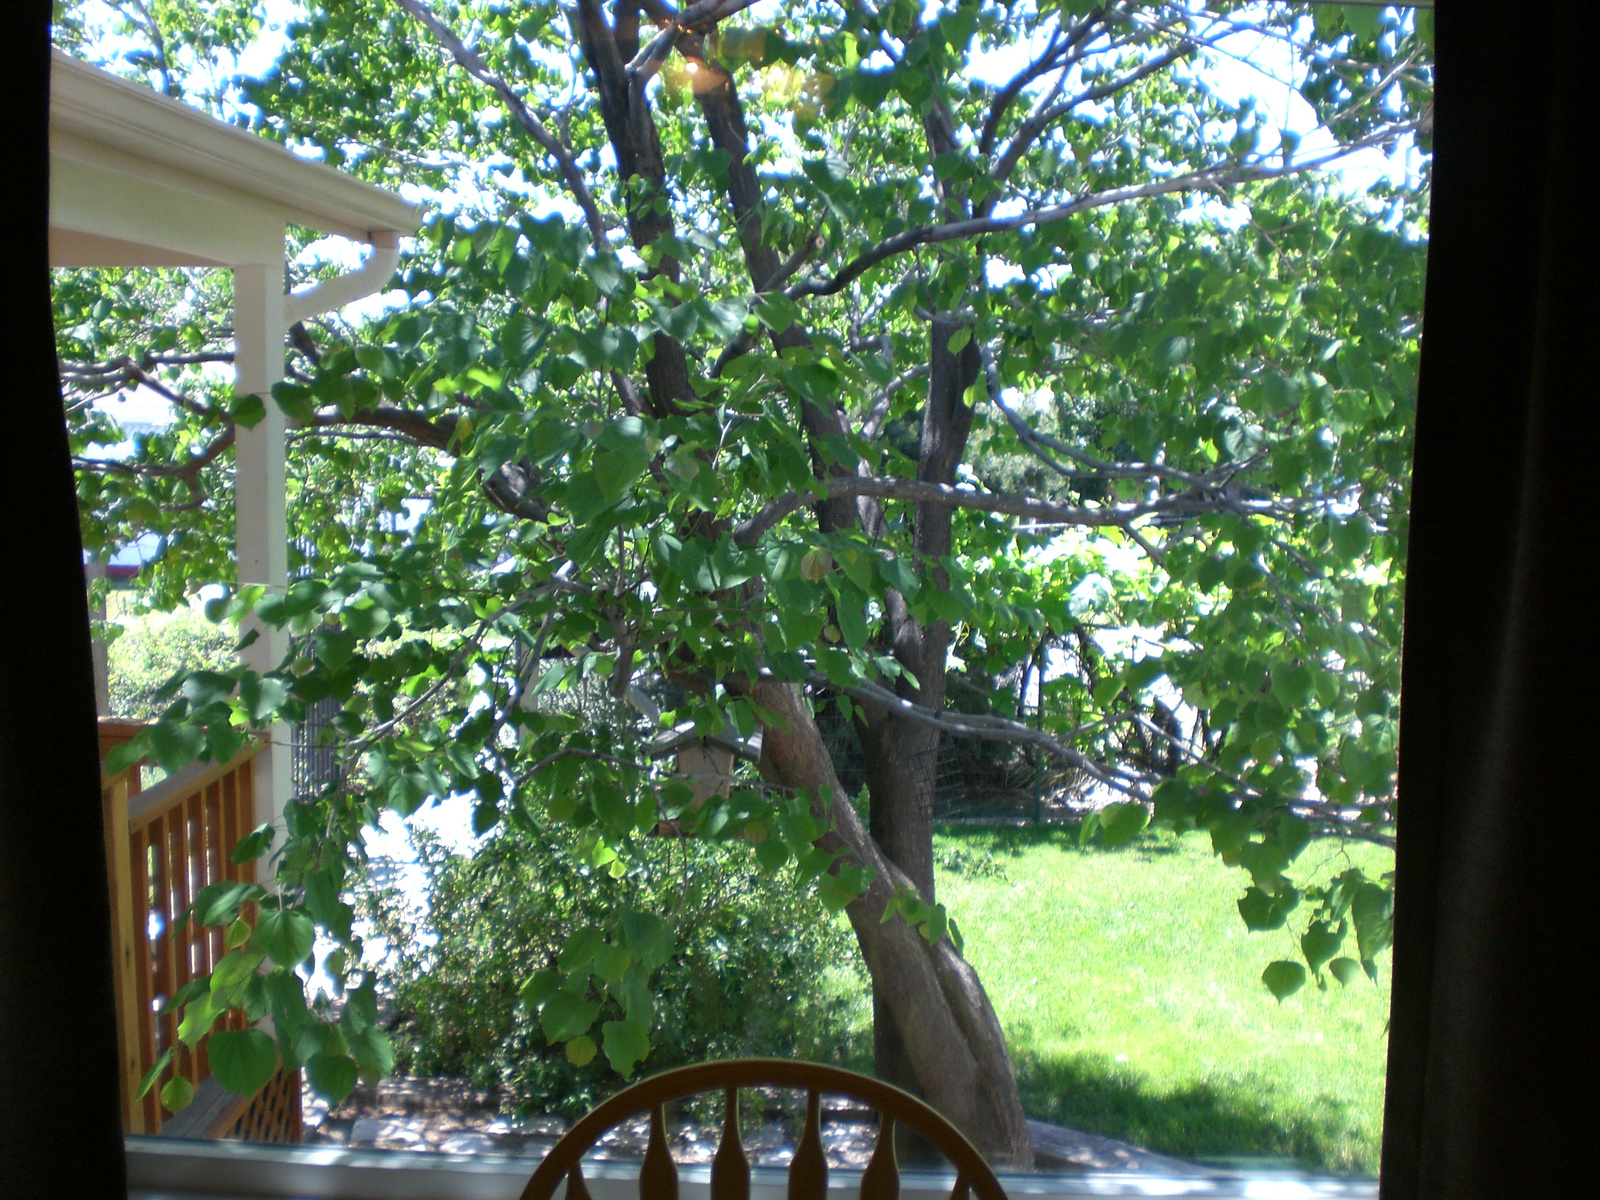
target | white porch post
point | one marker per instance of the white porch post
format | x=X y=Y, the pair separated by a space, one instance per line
x=260 y=498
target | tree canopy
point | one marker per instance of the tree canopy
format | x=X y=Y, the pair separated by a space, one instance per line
x=770 y=360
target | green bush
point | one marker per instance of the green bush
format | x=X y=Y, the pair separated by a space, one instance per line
x=153 y=647
x=758 y=969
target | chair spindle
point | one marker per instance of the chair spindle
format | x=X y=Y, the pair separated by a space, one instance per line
x=961 y=1190
x=658 y=1176
x=808 y=1173
x=730 y=1169
x=577 y=1189
x=881 y=1179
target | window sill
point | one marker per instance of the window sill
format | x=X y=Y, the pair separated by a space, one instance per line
x=165 y=1169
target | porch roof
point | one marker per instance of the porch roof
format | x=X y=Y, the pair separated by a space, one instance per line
x=141 y=179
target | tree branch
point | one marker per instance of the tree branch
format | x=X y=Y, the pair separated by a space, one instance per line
x=537 y=129
x=1220 y=175
x=989 y=728
x=1039 y=121
x=1043 y=511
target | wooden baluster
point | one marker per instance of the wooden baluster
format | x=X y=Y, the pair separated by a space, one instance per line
x=730 y=1170
x=658 y=1177
x=808 y=1173
x=174 y=950
x=960 y=1191
x=881 y=1179
x=212 y=869
x=139 y=851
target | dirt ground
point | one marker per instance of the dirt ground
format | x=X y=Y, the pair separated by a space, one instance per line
x=450 y=1117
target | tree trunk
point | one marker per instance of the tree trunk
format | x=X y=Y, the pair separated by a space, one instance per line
x=901 y=756
x=949 y=1032
x=934 y=1029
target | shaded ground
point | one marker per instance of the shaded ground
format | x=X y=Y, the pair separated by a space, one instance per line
x=450 y=1117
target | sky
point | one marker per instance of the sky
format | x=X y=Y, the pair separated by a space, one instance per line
x=1248 y=65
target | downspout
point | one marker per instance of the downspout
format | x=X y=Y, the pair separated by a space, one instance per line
x=335 y=293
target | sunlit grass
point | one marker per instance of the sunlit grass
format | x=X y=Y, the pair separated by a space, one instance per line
x=1131 y=995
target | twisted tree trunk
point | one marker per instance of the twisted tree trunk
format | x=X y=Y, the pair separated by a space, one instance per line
x=948 y=1028
x=935 y=1031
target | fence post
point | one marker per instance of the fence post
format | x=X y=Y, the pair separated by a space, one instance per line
x=124 y=930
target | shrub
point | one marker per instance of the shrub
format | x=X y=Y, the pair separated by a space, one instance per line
x=758 y=970
x=152 y=648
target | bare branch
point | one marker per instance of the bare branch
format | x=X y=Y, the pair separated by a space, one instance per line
x=920 y=492
x=537 y=129
x=989 y=728
x=880 y=410
x=1041 y=119
x=1219 y=175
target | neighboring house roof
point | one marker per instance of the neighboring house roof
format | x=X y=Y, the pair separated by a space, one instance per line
x=141 y=179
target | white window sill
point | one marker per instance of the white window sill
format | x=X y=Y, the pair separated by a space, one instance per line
x=165 y=1169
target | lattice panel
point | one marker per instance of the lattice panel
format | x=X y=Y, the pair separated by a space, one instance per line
x=273 y=1115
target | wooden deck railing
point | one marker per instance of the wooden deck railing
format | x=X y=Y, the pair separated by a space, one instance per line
x=163 y=844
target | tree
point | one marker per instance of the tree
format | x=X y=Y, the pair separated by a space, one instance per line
x=838 y=351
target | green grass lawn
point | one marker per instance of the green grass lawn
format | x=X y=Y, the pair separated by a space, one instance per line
x=1131 y=994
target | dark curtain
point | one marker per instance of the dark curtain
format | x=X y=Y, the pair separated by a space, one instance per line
x=61 y=1132
x=1494 y=902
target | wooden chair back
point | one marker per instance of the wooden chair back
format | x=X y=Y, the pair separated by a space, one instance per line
x=730 y=1169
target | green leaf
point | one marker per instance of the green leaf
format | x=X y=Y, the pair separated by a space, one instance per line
x=1261 y=911
x=334 y=647
x=237 y=934
x=175 y=745
x=1294 y=835
x=581 y=1050
x=262 y=696
x=1345 y=970
x=204 y=688
x=579 y=951
x=154 y=1073
x=247 y=410
x=332 y=1076
x=1320 y=943
x=1283 y=978
x=361 y=1006
x=242 y=1060
x=835 y=893
x=324 y=905
x=199 y=1015
x=253 y=845
x=231 y=975
x=541 y=985
x=626 y=1042
x=649 y=937
x=177 y=1094
x=1291 y=685
x=1363 y=21
x=120 y=758
x=607 y=272
x=186 y=993
x=407 y=793
x=367 y=623
x=1122 y=822
x=612 y=962
x=851 y=610
x=286 y=935
x=218 y=903
x=371 y=1048
x=565 y=1016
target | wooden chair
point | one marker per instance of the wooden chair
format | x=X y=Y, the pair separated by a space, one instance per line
x=730 y=1170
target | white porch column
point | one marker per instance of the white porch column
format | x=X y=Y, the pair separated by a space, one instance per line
x=261 y=512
